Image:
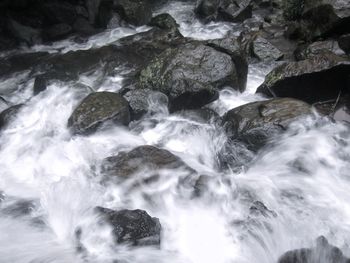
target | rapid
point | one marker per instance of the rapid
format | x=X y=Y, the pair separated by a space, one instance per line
x=292 y=191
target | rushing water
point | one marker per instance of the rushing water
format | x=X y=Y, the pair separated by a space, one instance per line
x=51 y=181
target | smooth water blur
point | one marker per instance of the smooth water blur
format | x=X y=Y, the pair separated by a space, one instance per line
x=50 y=180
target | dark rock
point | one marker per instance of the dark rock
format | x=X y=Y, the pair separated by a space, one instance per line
x=229 y=10
x=57 y=32
x=320 y=47
x=98 y=108
x=318 y=78
x=57 y=12
x=322 y=252
x=7 y=115
x=164 y=21
x=143 y=157
x=235 y=12
x=3 y=104
x=135 y=12
x=83 y=27
x=255 y=123
x=265 y=51
x=19 y=208
x=259 y=209
x=344 y=43
x=134 y=227
x=142 y=101
x=207 y=9
x=190 y=75
x=23 y=33
x=92 y=9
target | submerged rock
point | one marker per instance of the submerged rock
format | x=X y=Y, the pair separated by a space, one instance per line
x=323 y=252
x=143 y=157
x=7 y=115
x=255 y=123
x=318 y=78
x=97 y=108
x=142 y=101
x=190 y=75
x=134 y=227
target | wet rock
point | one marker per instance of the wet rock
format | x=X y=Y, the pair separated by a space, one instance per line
x=200 y=115
x=207 y=9
x=318 y=78
x=164 y=21
x=143 y=157
x=233 y=47
x=134 y=227
x=235 y=11
x=344 y=43
x=57 y=32
x=57 y=12
x=83 y=27
x=229 y=10
x=134 y=12
x=24 y=33
x=255 y=123
x=7 y=115
x=190 y=75
x=259 y=209
x=265 y=51
x=97 y=108
x=322 y=252
x=3 y=104
x=142 y=101
x=303 y=52
x=19 y=208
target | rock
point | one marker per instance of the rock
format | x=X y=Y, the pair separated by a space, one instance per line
x=232 y=47
x=24 y=33
x=93 y=9
x=142 y=101
x=344 y=43
x=190 y=75
x=207 y=9
x=57 y=32
x=316 y=48
x=164 y=21
x=143 y=157
x=235 y=12
x=292 y=9
x=83 y=27
x=57 y=12
x=134 y=227
x=228 y=10
x=97 y=108
x=134 y=12
x=322 y=252
x=200 y=115
x=255 y=123
x=3 y=104
x=265 y=51
x=7 y=115
x=318 y=78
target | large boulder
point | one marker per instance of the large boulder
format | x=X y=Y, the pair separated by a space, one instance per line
x=255 y=123
x=133 y=227
x=318 y=78
x=146 y=157
x=97 y=108
x=190 y=75
x=323 y=252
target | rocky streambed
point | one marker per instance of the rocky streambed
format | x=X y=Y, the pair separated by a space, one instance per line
x=174 y=131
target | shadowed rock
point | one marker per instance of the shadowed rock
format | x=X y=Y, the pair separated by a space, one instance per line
x=318 y=78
